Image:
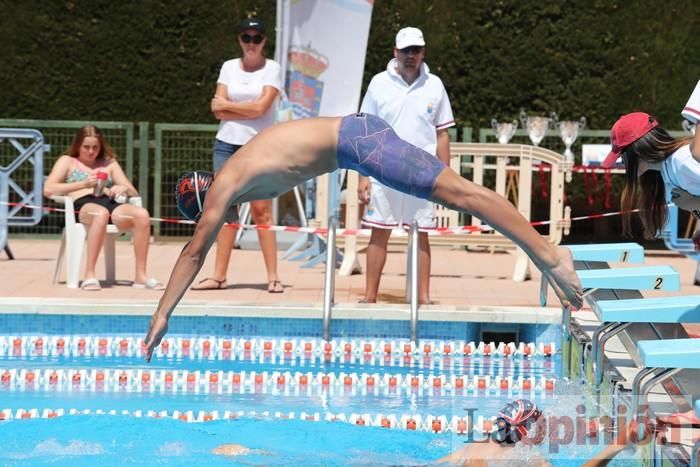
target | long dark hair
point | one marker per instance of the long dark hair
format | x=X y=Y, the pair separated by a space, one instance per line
x=647 y=192
x=106 y=151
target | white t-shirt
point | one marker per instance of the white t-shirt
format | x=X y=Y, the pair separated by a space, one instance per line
x=415 y=111
x=681 y=170
x=246 y=86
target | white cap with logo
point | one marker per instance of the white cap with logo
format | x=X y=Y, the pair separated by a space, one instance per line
x=408 y=37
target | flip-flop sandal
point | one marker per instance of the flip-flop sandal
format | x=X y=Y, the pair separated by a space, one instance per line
x=150 y=284
x=272 y=287
x=201 y=284
x=91 y=285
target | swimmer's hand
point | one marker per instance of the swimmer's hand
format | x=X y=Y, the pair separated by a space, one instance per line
x=364 y=190
x=563 y=279
x=634 y=434
x=157 y=329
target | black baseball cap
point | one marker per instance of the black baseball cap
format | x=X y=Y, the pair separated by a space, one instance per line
x=252 y=23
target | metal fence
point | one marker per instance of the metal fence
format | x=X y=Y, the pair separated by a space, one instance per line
x=154 y=160
x=178 y=149
x=59 y=135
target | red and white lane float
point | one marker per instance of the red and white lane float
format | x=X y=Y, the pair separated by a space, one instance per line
x=414 y=422
x=218 y=348
x=269 y=382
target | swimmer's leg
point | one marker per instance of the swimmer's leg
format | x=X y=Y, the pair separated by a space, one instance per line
x=455 y=192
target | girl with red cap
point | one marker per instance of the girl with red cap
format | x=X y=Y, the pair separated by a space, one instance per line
x=655 y=164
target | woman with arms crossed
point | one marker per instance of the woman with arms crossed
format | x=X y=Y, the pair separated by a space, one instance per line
x=245 y=93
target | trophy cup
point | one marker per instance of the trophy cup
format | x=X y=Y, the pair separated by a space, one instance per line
x=687 y=126
x=505 y=130
x=537 y=126
x=568 y=130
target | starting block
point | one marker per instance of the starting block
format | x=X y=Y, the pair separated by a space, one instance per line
x=637 y=278
x=608 y=252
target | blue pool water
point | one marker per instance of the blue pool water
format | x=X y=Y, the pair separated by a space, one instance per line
x=119 y=439
x=93 y=440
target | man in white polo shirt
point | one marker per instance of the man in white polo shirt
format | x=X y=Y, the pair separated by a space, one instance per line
x=414 y=102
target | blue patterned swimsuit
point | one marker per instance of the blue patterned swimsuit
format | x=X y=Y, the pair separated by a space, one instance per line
x=367 y=144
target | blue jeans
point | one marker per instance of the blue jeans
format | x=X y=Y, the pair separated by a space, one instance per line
x=222 y=152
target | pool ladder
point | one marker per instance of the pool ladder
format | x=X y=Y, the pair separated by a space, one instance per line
x=411 y=279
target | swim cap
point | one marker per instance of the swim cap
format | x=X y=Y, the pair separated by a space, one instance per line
x=514 y=420
x=190 y=192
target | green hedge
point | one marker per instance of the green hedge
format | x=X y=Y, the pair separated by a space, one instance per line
x=159 y=60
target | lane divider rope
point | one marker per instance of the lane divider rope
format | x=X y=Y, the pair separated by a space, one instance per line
x=412 y=422
x=459 y=230
x=267 y=382
x=219 y=348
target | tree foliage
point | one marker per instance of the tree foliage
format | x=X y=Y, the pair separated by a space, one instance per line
x=158 y=60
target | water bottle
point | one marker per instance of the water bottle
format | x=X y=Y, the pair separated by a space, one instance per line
x=101 y=183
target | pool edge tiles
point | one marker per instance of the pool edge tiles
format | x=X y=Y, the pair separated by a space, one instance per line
x=480 y=314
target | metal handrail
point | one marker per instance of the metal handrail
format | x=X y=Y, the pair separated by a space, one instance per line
x=412 y=279
x=329 y=279
x=600 y=337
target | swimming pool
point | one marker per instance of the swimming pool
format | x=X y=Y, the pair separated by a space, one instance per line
x=76 y=389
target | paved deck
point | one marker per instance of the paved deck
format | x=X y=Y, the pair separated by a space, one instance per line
x=461 y=279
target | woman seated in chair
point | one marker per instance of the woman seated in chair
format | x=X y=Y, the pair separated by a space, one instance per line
x=91 y=175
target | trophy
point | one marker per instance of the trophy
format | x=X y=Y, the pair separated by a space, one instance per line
x=687 y=126
x=537 y=126
x=568 y=130
x=505 y=130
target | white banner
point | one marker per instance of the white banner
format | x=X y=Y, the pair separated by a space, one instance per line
x=326 y=41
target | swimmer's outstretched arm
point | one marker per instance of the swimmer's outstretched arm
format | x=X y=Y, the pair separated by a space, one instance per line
x=628 y=437
x=216 y=204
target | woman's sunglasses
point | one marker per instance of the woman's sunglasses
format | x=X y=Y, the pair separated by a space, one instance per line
x=255 y=39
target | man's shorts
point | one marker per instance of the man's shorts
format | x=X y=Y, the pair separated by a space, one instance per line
x=367 y=144
x=389 y=209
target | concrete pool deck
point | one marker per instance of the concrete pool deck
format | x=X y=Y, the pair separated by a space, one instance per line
x=467 y=286
x=478 y=283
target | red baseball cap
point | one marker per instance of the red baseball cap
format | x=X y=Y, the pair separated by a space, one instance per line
x=626 y=130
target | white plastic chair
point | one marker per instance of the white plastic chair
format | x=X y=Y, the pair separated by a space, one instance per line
x=73 y=244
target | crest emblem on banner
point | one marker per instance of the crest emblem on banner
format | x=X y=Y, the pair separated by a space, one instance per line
x=305 y=89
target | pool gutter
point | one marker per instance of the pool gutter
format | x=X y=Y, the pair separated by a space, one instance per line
x=481 y=314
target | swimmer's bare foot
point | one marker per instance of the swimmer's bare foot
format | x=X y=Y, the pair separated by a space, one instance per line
x=157 y=328
x=564 y=280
